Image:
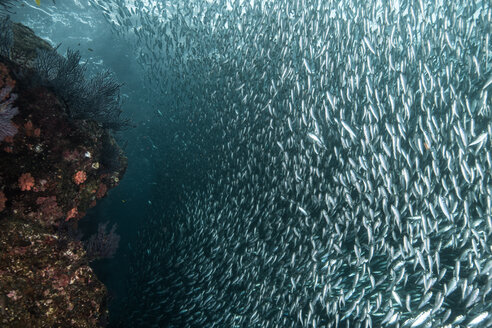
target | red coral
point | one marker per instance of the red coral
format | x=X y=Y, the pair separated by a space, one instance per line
x=79 y=177
x=72 y=214
x=26 y=181
x=3 y=199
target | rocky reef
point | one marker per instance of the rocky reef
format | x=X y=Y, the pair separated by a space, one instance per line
x=52 y=170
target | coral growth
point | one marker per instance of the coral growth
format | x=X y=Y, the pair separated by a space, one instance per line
x=73 y=213
x=79 y=177
x=26 y=182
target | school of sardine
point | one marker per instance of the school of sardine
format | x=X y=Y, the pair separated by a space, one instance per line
x=353 y=179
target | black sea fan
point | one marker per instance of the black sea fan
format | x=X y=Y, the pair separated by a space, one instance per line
x=5 y=3
x=64 y=75
x=97 y=98
x=102 y=101
x=102 y=245
x=6 y=36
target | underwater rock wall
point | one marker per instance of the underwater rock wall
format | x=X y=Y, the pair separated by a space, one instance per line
x=52 y=170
